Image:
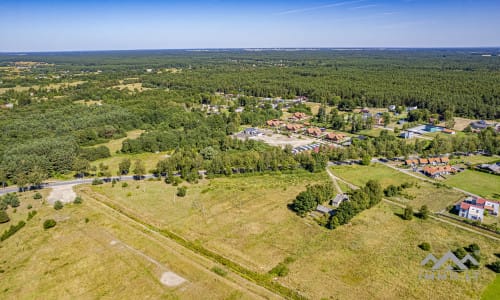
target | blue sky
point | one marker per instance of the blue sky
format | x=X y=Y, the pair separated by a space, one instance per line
x=111 y=24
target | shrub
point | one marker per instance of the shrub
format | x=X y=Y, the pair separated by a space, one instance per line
x=37 y=196
x=423 y=213
x=495 y=267
x=31 y=214
x=49 y=223
x=30 y=206
x=280 y=270
x=87 y=220
x=425 y=246
x=460 y=253
x=58 y=205
x=408 y=213
x=181 y=191
x=473 y=247
x=124 y=185
x=97 y=181
x=12 y=230
x=219 y=271
x=4 y=217
x=78 y=200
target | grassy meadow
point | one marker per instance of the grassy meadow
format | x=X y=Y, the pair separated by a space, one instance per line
x=105 y=257
x=436 y=198
x=247 y=220
x=480 y=183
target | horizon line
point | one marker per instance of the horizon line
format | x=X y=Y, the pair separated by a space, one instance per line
x=259 y=48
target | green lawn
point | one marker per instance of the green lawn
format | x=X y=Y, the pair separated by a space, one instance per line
x=436 y=198
x=492 y=291
x=483 y=184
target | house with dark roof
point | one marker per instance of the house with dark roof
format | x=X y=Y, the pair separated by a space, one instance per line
x=252 y=131
x=324 y=210
x=339 y=198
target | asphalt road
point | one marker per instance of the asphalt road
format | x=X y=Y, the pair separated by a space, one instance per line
x=77 y=181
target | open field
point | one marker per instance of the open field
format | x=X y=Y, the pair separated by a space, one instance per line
x=474 y=160
x=424 y=192
x=131 y=86
x=483 y=184
x=102 y=258
x=36 y=87
x=116 y=145
x=246 y=220
x=149 y=159
x=238 y=217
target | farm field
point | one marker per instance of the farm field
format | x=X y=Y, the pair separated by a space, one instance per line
x=480 y=183
x=104 y=257
x=256 y=229
x=436 y=198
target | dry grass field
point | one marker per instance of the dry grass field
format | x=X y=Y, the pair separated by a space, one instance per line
x=104 y=257
x=246 y=219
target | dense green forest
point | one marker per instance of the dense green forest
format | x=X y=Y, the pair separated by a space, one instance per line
x=50 y=129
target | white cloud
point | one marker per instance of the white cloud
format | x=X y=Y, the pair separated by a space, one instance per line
x=306 y=9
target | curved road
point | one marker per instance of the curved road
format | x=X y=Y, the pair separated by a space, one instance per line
x=77 y=181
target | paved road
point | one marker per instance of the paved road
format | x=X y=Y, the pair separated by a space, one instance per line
x=77 y=181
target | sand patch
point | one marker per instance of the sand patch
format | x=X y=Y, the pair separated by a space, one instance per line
x=171 y=279
x=63 y=193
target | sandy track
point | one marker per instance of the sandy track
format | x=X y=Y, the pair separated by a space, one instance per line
x=63 y=193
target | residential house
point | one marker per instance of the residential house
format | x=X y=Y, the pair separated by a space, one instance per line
x=392 y=107
x=448 y=131
x=294 y=127
x=314 y=131
x=473 y=208
x=494 y=168
x=423 y=161
x=274 y=123
x=239 y=109
x=252 y=131
x=298 y=116
x=407 y=135
x=335 y=137
x=434 y=161
x=324 y=210
x=480 y=125
x=339 y=198
x=438 y=171
x=411 y=162
x=444 y=159
x=378 y=119
x=471 y=212
x=410 y=108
